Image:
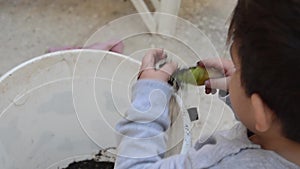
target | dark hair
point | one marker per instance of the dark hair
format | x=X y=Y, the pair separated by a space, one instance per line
x=267 y=34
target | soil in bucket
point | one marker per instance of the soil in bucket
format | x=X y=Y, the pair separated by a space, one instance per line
x=102 y=160
x=91 y=164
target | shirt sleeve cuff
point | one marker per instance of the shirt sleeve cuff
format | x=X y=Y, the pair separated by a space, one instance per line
x=150 y=100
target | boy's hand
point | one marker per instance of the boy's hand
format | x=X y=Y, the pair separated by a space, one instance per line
x=148 y=71
x=226 y=66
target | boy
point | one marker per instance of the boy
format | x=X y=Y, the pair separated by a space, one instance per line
x=263 y=86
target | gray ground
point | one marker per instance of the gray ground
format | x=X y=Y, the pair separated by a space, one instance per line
x=30 y=27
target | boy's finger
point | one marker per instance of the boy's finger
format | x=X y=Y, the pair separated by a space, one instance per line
x=207 y=90
x=220 y=83
x=169 y=68
x=212 y=63
x=210 y=91
x=157 y=54
x=151 y=57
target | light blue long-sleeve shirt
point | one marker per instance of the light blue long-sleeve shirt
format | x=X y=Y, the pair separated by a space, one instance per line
x=142 y=139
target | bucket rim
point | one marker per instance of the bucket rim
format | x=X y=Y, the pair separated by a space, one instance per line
x=53 y=54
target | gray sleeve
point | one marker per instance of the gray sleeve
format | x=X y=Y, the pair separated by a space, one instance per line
x=141 y=134
x=255 y=158
x=141 y=138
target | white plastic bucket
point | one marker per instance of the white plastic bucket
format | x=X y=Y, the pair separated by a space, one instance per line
x=62 y=107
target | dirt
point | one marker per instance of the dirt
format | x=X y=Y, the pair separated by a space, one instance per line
x=103 y=160
x=91 y=164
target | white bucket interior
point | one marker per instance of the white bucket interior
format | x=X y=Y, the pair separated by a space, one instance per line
x=43 y=122
x=63 y=106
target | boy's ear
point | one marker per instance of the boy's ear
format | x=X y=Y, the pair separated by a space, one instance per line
x=262 y=114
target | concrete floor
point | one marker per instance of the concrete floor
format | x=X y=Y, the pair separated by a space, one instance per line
x=30 y=27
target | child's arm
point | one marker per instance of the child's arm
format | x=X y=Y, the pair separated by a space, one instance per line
x=142 y=132
x=142 y=140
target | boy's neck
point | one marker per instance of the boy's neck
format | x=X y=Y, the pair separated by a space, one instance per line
x=286 y=148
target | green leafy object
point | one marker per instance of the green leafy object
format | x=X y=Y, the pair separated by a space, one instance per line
x=199 y=74
x=193 y=75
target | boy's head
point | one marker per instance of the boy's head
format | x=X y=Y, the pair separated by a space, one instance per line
x=266 y=49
